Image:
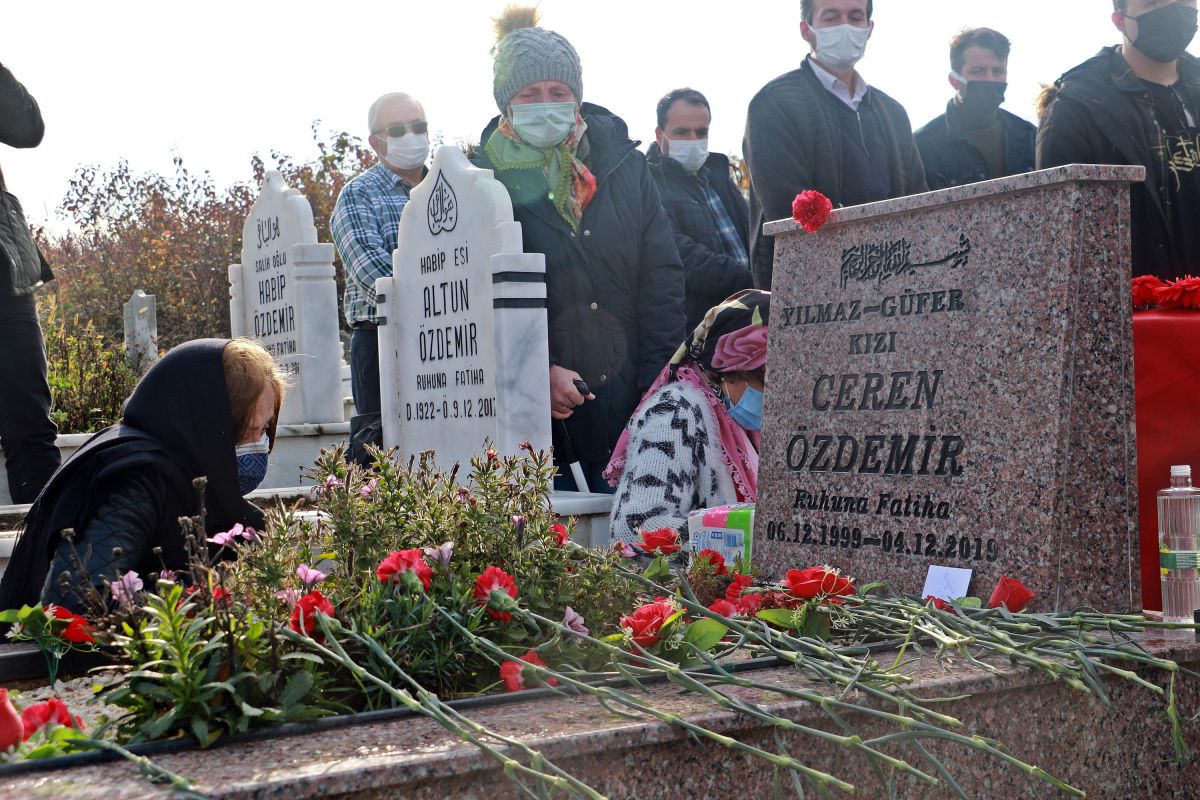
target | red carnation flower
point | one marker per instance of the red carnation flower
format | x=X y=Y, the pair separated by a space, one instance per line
x=734 y=591
x=714 y=558
x=304 y=613
x=723 y=607
x=400 y=561
x=513 y=674
x=1011 y=593
x=645 y=624
x=1145 y=288
x=818 y=581
x=38 y=715
x=561 y=534
x=811 y=209
x=492 y=580
x=78 y=630
x=663 y=541
x=939 y=603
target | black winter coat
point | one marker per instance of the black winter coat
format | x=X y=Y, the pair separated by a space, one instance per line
x=793 y=143
x=129 y=484
x=709 y=275
x=1101 y=113
x=20 y=126
x=614 y=289
x=950 y=160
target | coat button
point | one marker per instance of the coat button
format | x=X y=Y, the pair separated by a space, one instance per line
x=595 y=306
x=603 y=378
x=587 y=233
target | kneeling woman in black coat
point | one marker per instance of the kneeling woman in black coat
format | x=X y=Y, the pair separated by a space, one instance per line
x=208 y=408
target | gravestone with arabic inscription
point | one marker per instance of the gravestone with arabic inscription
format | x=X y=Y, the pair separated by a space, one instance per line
x=284 y=294
x=950 y=383
x=463 y=350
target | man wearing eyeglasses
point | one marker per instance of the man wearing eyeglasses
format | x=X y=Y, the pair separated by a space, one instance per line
x=364 y=225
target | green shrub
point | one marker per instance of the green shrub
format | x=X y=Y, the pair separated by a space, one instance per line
x=89 y=380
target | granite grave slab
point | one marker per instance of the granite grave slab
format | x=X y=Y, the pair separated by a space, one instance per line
x=950 y=382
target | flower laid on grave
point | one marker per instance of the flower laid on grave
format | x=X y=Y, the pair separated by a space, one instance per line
x=810 y=208
x=516 y=676
x=1011 y=594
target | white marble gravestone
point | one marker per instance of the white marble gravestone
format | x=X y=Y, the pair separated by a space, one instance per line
x=284 y=294
x=463 y=355
x=141 y=331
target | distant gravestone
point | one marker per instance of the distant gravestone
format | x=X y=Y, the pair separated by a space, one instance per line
x=950 y=382
x=463 y=351
x=284 y=294
x=141 y=332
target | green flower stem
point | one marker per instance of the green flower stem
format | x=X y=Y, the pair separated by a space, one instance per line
x=609 y=694
x=433 y=702
x=795 y=651
x=511 y=767
x=154 y=772
x=692 y=682
x=989 y=746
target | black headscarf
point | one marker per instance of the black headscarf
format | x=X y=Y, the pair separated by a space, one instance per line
x=178 y=423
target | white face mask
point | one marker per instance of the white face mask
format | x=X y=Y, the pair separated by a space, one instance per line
x=543 y=124
x=842 y=46
x=408 y=151
x=691 y=153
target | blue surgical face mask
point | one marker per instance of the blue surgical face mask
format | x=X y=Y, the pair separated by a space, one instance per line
x=543 y=124
x=747 y=412
x=252 y=463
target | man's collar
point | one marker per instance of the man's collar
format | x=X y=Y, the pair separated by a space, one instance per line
x=837 y=87
x=394 y=179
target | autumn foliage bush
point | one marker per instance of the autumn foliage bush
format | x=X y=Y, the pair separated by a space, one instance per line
x=175 y=237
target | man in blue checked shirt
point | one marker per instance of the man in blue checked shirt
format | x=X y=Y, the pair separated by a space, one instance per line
x=709 y=217
x=364 y=225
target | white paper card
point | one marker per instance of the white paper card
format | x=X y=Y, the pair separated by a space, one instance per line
x=946 y=583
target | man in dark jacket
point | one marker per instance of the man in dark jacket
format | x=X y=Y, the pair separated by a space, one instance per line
x=976 y=140
x=584 y=197
x=822 y=127
x=1139 y=103
x=708 y=213
x=27 y=433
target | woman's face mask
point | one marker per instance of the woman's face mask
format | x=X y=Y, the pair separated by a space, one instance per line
x=543 y=124
x=252 y=463
x=747 y=411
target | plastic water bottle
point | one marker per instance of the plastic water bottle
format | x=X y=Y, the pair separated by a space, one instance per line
x=1179 y=546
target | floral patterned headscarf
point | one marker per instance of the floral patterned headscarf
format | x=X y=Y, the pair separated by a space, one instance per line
x=732 y=337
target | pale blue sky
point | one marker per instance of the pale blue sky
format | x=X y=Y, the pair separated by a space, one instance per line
x=219 y=80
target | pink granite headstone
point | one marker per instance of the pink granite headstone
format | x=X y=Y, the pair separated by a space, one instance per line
x=950 y=382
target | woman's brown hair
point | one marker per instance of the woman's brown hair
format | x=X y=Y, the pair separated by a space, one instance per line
x=249 y=370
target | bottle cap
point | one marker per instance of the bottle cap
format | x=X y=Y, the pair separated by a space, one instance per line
x=1181 y=471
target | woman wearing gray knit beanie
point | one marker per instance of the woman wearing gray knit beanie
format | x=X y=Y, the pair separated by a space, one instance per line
x=584 y=197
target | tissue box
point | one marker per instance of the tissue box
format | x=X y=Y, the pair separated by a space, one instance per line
x=726 y=529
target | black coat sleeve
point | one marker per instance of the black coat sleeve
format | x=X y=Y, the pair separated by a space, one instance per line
x=660 y=286
x=20 y=119
x=707 y=269
x=1063 y=138
x=910 y=154
x=777 y=154
x=126 y=518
